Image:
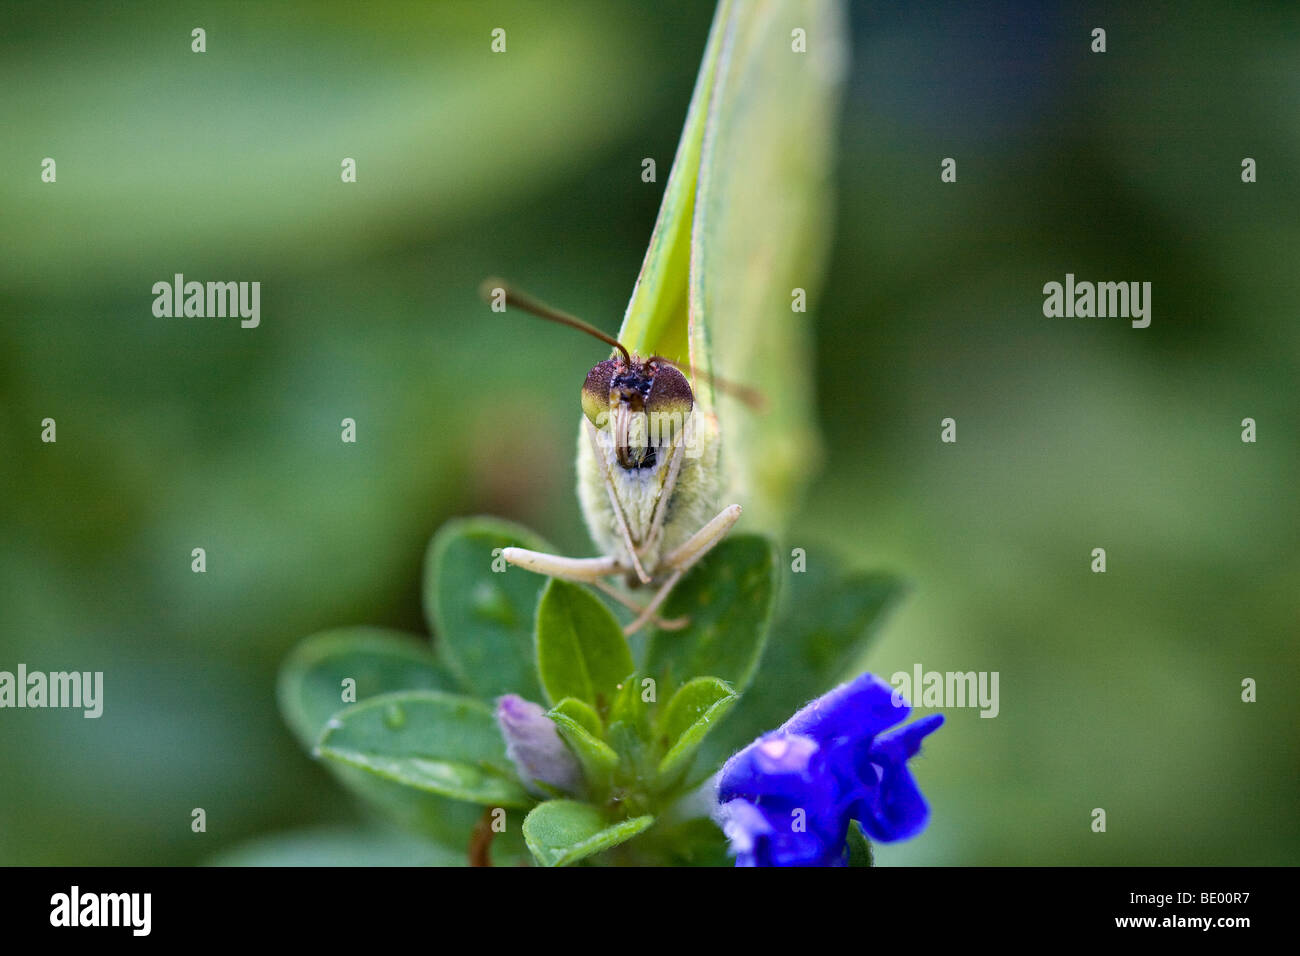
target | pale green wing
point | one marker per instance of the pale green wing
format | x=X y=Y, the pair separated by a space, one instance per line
x=762 y=227
x=657 y=317
x=746 y=218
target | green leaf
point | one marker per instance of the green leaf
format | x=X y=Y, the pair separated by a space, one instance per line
x=310 y=693
x=441 y=743
x=447 y=821
x=310 y=685
x=697 y=841
x=697 y=707
x=483 y=619
x=581 y=713
x=628 y=732
x=561 y=832
x=859 y=846
x=728 y=598
x=581 y=650
x=826 y=622
x=629 y=706
x=636 y=760
x=580 y=727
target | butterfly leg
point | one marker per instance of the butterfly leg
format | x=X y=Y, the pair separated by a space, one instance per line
x=583 y=571
x=682 y=558
x=676 y=624
x=633 y=552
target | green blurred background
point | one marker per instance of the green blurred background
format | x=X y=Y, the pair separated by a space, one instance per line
x=1119 y=691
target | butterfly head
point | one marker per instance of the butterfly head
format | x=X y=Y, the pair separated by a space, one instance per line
x=643 y=403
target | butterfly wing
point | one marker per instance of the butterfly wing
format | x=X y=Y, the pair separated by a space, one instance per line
x=657 y=318
x=762 y=226
x=746 y=219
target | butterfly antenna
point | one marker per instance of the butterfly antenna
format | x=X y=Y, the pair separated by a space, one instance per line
x=747 y=395
x=491 y=288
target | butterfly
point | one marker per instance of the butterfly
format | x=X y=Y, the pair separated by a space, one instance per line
x=740 y=238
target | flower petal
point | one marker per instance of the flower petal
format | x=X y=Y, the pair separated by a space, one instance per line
x=895 y=809
x=761 y=836
x=904 y=742
x=788 y=797
x=775 y=765
x=861 y=708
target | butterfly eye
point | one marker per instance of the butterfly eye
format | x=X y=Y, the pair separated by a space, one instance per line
x=669 y=402
x=595 y=391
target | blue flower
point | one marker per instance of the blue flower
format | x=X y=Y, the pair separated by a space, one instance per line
x=787 y=798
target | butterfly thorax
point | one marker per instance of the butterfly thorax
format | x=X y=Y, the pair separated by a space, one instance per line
x=647 y=459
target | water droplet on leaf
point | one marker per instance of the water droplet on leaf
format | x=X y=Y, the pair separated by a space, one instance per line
x=394 y=717
x=490 y=603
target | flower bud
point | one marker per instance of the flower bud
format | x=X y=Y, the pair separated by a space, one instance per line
x=535 y=747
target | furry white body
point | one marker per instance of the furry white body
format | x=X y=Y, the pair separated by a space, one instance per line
x=652 y=523
x=661 y=506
